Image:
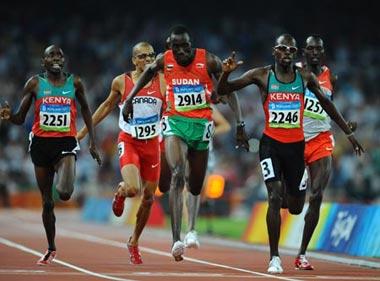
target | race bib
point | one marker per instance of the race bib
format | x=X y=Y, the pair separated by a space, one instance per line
x=267 y=168
x=189 y=97
x=209 y=131
x=54 y=117
x=284 y=114
x=145 y=128
x=165 y=126
x=313 y=108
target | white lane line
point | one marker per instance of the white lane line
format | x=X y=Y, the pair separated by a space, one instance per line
x=352 y=260
x=33 y=252
x=21 y=271
x=95 y=239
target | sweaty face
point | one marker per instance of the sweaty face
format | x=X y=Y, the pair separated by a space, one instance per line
x=53 y=59
x=181 y=47
x=143 y=56
x=314 y=51
x=285 y=52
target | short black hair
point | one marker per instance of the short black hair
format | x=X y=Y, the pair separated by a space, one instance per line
x=179 y=29
x=314 y=36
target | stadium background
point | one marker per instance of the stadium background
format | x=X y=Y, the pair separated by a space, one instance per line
x=97 y=38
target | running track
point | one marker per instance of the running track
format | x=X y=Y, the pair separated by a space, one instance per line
x=97 y=252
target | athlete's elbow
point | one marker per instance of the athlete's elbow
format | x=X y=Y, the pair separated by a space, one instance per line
x=17 y=119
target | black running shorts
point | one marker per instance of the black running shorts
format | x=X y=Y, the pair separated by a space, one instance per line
x=47 y=151
x=284 y=161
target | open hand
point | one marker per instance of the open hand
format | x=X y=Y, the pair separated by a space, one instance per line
x=356 y=145
x=241 y=137
x=230 y=63
x=94 y=153
x=353 y=125
x=5 y=111
x=128 y=110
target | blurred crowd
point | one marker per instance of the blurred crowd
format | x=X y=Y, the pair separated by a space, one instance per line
x=98 y=47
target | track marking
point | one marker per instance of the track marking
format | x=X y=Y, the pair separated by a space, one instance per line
x=99 y=240
x=353 y=260
x=33 y=252
x=21 y=271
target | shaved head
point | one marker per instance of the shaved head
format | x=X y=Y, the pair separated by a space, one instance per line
x=136 y=48
x=313 y=40
x=286 y=39
x=51 y=48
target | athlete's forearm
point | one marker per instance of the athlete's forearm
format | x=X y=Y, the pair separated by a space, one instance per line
x=102 y=112
x=233 y=102
x=145 y=77
x=17 y=118
x=223 y=86
x=331 y=110
x=86 y=114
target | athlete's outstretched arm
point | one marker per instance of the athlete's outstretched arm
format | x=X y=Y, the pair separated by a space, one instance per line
x=222 y=125
x=105 y=107
x=214 y=65
x=313 y=85
x=86 y=114
x=145 y=77
x=28 y=93
x=230 y=64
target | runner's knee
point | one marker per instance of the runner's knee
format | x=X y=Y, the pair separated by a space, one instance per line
x=296 y=206
x=316 y=198
x=48 y=205
x=178 y=176
x=65 y=188
x=195 y=192
x=147 y=200
x=275 y=200
x=132 y=192
x=65 y=193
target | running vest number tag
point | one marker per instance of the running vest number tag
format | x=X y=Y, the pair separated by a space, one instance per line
x=284 y=114
x=189 y=97
x=209 y=131
x=54 y=117
x=145 y=131
x=313 y=108
x=145 y=128
x=165 y=126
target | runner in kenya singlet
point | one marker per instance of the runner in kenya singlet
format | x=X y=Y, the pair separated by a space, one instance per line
x=55 y=109
x=284 y=108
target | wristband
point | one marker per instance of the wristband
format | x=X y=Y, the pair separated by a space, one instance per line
x=241 y=124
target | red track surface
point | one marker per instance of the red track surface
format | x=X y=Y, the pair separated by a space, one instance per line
x=100 y=249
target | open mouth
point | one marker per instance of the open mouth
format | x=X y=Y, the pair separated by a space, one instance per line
x=56 y=66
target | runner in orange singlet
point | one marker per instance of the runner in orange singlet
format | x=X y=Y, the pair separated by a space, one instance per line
x=188 y=124
x=282 y=88
x=138 y=143
x=52 y=141
x=191 y=239
x=319 y=141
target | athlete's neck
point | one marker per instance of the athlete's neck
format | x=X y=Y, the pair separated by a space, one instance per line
x=315 y=68
x=136 y=74
x=55 y=77
x=284 y=73
x=190 y=60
